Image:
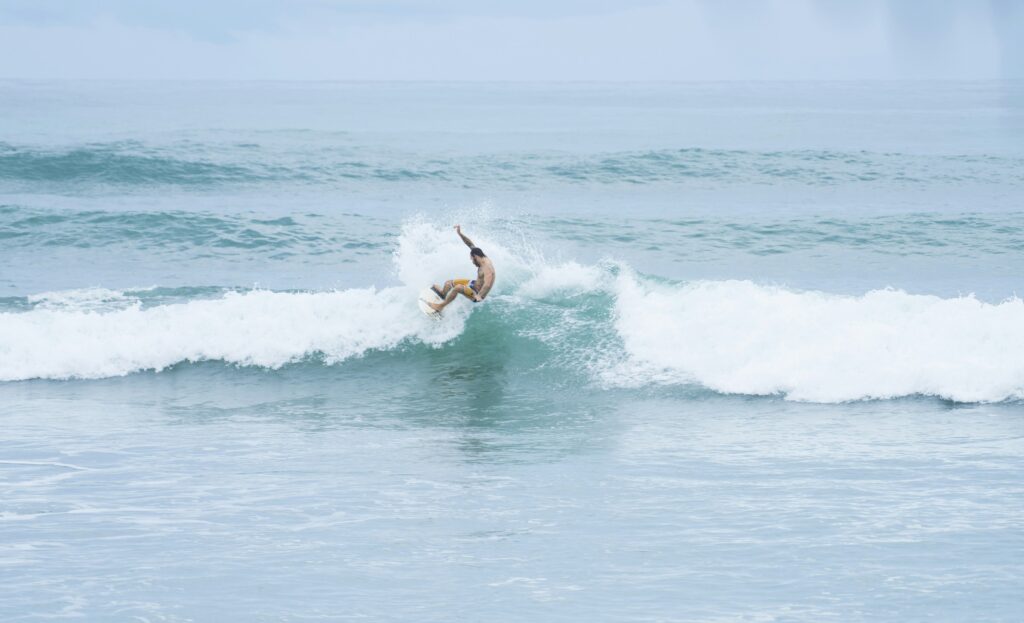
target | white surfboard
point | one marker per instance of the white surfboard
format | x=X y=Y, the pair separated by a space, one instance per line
x=428 y=295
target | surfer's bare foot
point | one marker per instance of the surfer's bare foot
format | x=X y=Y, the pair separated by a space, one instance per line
x=434 y=306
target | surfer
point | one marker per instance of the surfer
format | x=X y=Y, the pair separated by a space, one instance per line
x=475 y=290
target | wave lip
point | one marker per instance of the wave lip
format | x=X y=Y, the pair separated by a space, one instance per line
x=738 y=337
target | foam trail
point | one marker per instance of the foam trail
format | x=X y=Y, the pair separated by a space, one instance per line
x=742 y=338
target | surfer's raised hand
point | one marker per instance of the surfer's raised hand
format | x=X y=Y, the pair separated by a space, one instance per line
x=469 y=243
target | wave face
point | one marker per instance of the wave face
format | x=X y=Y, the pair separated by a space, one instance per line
x=602 y=324
x=208 y=165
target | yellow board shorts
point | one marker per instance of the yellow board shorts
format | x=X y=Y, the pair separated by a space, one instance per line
x=468 y=283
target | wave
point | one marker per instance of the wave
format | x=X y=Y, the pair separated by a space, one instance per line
x=210 y=233
x=125 y=164
x=611 y=326
x=119 y=163
x=923 y=234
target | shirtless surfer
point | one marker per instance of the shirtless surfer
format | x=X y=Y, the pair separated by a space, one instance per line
x=475 y=290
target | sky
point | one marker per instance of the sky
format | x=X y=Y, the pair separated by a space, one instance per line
x=512 y=40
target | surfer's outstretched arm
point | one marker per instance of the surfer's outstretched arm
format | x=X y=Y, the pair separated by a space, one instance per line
x=465 y=238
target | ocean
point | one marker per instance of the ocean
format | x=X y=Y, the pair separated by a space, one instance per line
x=754 y=351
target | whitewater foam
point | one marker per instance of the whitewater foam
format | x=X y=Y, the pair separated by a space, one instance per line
x=81 y=299
x=260 y=328
x=743 y=338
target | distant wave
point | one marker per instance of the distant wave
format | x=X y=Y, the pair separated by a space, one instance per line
x=616 y=328
x=131 y=163
x=124 y=163
x=211 y=234
x=176 y=230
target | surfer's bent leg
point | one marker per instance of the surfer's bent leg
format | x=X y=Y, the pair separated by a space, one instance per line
x=450 y=291
x=442 y=291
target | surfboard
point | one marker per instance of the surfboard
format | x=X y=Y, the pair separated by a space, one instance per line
x=426 y=295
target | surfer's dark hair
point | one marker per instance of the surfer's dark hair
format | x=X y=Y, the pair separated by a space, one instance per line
x=477 y=251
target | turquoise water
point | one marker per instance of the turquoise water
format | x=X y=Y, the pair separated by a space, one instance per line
x=753 y=353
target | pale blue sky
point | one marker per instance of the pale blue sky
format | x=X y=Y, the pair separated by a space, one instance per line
x=521 y=40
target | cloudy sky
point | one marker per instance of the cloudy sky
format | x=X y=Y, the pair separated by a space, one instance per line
x=512 y=40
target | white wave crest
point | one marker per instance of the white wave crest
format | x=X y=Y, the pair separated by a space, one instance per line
x=743 y=338
x=260 y=328
x=83 y=298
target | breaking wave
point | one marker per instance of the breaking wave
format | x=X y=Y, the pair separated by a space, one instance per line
x=610 y=326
